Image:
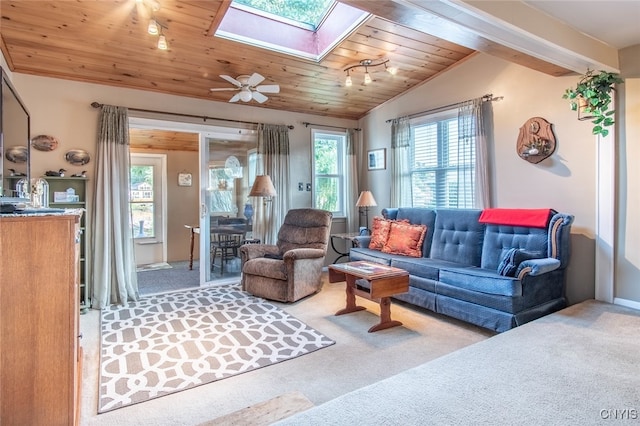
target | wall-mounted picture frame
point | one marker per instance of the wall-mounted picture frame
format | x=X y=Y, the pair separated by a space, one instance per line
x=377 y=159
x=184 y=179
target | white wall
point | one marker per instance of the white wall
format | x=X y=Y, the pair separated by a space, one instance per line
x=564 y=182
x=61 y=108
x=627 y=252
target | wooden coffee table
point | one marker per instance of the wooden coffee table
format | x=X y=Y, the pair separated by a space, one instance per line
x=384 y=282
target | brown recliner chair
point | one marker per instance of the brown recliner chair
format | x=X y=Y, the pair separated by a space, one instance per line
x=291 y=269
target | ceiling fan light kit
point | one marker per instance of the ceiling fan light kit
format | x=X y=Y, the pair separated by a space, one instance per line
x=366 y=64
x=248 y=88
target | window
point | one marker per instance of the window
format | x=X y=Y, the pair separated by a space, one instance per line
x=307 y=13
x=142 y=201
x=442 y=164
x=329 y=152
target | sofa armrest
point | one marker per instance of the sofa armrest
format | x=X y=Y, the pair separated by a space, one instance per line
x=362 y=241
x=536 y=267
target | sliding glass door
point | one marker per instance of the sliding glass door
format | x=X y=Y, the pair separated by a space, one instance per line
x=226 y=222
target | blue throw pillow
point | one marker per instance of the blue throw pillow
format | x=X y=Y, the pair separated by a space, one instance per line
x=512 y=259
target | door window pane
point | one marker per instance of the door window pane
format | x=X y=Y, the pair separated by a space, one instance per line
x=142 y=202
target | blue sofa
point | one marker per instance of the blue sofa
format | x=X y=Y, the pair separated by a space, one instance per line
x=461 y=271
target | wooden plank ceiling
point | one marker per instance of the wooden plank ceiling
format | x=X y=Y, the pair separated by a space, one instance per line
x=106 y=42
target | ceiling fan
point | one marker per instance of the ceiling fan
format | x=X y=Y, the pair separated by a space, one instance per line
x=249 y=88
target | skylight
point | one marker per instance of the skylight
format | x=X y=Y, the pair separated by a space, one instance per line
x=310 y=29
x=305 y=13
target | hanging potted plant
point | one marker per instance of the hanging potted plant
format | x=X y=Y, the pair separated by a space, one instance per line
x=592 y=99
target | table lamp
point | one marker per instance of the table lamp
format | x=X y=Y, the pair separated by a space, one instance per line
x=263 y=187
x=366 y=200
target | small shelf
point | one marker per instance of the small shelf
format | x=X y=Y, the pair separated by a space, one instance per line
x=68 y=203
x=79 y=186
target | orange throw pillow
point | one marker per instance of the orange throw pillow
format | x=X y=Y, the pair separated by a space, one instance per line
x=379 y=233
x=405 y=239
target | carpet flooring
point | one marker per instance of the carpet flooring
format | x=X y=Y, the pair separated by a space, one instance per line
x=173 y=342
x=175 y=278
x=578 y=366
x=358 y=358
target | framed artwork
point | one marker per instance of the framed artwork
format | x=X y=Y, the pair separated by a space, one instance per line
x=377 y=159
x=184 y=179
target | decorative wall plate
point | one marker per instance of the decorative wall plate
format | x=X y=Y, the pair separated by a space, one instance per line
x=17 y=154
x=77 y=157
x=536 y=140
x=44 y=143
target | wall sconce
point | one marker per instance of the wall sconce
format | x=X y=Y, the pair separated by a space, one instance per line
x=368 y=63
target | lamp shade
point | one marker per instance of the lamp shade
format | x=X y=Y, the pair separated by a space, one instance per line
x=262 y=187
x=366 y=200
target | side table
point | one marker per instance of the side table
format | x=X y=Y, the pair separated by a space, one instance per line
x=194 y=230
x=350 y=241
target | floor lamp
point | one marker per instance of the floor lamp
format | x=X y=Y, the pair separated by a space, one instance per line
x=366 y=200
x=263 y=187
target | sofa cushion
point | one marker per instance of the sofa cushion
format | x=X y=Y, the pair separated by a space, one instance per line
x=405 y=238
x=482 y=280
x=512 y=259
x=380 y=232
x=370 y=255
x=417 y=216
x=458 y=236
x=421 y=267
x=499 y=239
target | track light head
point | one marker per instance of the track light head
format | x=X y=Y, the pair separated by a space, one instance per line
x=153 y=27
x=162 y=43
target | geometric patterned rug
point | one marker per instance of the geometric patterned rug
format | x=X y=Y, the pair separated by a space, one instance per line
x=172 y=342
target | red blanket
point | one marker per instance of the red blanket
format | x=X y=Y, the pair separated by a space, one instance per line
x=535 y=218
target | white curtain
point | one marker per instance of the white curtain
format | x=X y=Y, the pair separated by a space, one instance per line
x=474 y=124
x=354 y=148
x=114 y=269
x=273 y=160
x=400 y=166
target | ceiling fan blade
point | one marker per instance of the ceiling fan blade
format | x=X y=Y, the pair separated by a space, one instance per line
x=259 y=97
x=231 y=80
x=255 y=79
x=268 y=88
x=235 y=98
x=223 y=89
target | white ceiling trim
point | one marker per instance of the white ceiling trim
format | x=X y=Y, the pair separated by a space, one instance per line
x=523 y=28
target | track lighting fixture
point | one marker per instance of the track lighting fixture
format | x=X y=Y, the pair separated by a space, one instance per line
x=367 y=63
x=154 y=27
x=162 y=42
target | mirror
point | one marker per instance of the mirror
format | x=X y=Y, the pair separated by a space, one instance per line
x=14 y=140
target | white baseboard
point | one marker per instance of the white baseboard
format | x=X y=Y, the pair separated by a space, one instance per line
x=626 y=302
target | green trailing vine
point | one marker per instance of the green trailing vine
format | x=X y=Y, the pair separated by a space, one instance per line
x=593 y=95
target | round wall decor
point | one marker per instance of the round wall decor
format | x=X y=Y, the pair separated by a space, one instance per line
x=77 y=157
x=17 y=154
x=44 y=143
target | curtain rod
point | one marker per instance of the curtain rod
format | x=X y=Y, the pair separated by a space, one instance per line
x=203 y=117
x=307 y=124
x=485 y=98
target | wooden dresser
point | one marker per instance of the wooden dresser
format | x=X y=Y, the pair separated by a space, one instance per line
x=40 y=354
